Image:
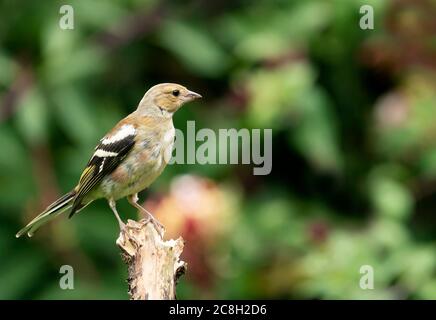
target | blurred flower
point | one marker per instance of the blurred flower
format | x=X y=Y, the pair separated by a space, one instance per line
x=391 y=110
x=407 y=42
x=404 y=118
x=200 y=211
x=318 y=231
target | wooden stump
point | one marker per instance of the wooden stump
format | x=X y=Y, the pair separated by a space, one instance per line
x=154 y=265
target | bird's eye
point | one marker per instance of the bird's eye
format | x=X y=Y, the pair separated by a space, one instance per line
x=176 y=93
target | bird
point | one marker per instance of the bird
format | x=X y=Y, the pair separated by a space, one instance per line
x=127 y=160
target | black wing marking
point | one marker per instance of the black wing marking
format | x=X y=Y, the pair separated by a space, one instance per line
x=105 y=160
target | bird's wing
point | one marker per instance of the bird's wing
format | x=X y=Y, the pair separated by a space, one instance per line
x=109 y=153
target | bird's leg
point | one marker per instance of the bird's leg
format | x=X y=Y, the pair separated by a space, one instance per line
x=133 y=200
x=113 y=206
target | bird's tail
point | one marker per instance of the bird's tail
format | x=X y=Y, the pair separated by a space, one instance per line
x=56 y=208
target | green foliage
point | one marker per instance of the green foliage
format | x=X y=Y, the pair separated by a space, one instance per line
x=354 y=158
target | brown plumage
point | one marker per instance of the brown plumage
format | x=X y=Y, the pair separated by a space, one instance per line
x=128 y=158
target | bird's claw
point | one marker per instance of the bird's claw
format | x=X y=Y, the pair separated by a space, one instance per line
x=158 y=226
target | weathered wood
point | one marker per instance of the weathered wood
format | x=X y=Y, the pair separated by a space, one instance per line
x=154 y=265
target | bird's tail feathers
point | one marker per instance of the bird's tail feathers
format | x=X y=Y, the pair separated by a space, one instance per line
x=56 y=208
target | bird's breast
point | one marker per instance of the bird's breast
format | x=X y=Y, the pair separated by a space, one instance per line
x=142 y=165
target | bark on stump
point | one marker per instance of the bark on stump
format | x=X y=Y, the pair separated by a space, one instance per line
x=154 y=265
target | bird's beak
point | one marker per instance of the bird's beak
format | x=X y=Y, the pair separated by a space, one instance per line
x=191 y=95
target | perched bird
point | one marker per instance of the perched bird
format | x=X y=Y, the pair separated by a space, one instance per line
x=128 y=158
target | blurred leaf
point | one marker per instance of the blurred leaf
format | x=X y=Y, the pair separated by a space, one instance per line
x=195 y=48
x=76 y=115
x=390 y=197
x=32 y=116
x=8 y=69
x=274 y=94
x=18 y=273
x=315 y=135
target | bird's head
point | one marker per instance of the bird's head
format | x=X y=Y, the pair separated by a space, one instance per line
x=165 y=99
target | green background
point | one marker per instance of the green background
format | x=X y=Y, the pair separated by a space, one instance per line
x=354 y=144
